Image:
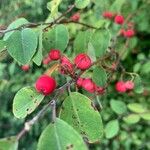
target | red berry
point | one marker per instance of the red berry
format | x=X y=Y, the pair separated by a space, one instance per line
x=54 y=54
x=83 y=61
x=129 y=85
x=25 y=67
x=120 y=87
x=99 y=90
x=129 y=33
x=75 y=17
x=88 y=85
x=108 y=15
x=66 y=65
x=45 y=85
x=46 y=60
x=79 y=82
x=119 y=19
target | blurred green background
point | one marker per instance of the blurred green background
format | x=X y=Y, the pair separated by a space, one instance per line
x=134 y=136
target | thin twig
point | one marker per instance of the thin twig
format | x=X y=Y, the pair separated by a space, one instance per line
x=52 y=103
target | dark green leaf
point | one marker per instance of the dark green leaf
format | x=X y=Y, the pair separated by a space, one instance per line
x=99 y=76
x=81 y=42
x=39 y=56
x=22 y=45
x=15 y=24
x=100 y=41
x=56 y=38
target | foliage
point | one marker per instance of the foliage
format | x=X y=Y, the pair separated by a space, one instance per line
x=79 y=119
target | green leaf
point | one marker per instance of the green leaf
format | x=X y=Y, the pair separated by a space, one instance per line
x=56 y=38
x=112 y=129
x=99 y=76
x=138 y=85
x=15 y=24
x=81 y=42
x=9 y=143
x=37 y=59
x=53 y=7
x=22 y=45
x=60 y=136
x=79 y=112
x=117 y=5
x=100 y=41
x=145 y=116
x=26 y=101
x=118 y=107
x=81 y=3
x=132 y=118
x=145 y=69
x=3 y=45
x=91 y=52
x=137 y=108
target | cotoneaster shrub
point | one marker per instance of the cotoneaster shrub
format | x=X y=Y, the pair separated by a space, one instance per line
x=88 y=48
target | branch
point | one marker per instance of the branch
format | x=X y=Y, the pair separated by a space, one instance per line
x=33 y=25
x=28 y=125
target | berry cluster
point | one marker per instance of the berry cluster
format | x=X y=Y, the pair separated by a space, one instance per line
x=123 y=87
x=46 y=85
x=88 y=85
x=119 y=19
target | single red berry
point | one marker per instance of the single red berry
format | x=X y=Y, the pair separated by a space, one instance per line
x=119 y=19
x=45 y=85
x=120 y=87
x=66 y=65
x=88 y=85
x=46 y=60
x=129 y=33
x=99 y=90
x=79 y=82
x=108 y=15
x=129 y=85
x=55 y=54
x=75 y=17
x=83 y=61
x=25 y=67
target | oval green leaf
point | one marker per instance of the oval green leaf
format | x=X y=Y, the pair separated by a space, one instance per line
x=60 y=136
x=56 y=38
x=26 y=101
x=22 y=45
x=132 y=119
x=99 y=76
x=17 y=23
x=118 y=107
x=81 y=3
x=79 y=112
x=100 y=41
x=137 y=108
x=112 y=129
